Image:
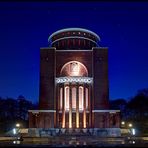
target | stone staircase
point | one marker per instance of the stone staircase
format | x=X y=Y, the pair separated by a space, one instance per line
x=104 y=132
x=64 y=132
x=75 y=132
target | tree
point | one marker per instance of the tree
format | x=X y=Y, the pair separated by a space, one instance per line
x=2 y=109
x=138 y=110
x=14 y=110
x=138 y=105
x=119 y=104
x=10 y=108
x=23 y=107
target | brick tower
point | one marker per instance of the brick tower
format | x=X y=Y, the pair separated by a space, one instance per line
x=74 y=91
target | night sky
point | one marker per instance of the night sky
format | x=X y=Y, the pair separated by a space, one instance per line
x=26 y=26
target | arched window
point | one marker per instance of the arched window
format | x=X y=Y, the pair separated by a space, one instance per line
x=74 y=68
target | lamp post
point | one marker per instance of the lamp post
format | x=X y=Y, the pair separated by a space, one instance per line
x=129 y=126
x=18 y=125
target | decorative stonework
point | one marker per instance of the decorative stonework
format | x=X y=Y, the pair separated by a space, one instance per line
x=87 y=80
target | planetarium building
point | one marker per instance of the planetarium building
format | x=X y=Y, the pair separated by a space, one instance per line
x=74 y=91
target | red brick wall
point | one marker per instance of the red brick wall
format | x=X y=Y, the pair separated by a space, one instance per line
x=47 y=81
x=84 y=57
x=41 y=120
x=100 y=75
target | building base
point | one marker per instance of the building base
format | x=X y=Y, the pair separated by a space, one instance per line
x=100 y=132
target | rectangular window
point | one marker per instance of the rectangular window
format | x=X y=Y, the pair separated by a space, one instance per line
x=67 y=98
x=86 y=97
x=81 y=98
x=73 y=98
x=61 y=97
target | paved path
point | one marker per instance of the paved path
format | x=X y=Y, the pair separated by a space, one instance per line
x=75 y=141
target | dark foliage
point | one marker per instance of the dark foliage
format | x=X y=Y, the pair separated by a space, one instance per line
x=13 y=111
x=135 y=110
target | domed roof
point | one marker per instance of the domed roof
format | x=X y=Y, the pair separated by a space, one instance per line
x=73 y=29
x=73 y=38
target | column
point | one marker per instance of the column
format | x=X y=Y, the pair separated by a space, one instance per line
x=70 y=106
x=77 y=105
x=63 y=107
x=84 y=107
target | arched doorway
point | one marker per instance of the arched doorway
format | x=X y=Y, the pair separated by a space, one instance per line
x=74 y=87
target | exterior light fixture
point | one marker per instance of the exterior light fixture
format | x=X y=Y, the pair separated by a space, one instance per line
x=14 y=142
x=130 y=125
x=123 y=123
x=17 y=125
x=133 y=131
x=14 y=131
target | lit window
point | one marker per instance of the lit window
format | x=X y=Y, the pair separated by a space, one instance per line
x=81 y=98
x=74 y=68
x=61 y=97
x=67 y=98
x=74 y=98
x=86 y=97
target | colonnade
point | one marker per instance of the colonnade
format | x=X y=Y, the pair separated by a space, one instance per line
x=81 y=109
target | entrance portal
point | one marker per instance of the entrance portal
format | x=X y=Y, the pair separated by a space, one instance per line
x=74 y=96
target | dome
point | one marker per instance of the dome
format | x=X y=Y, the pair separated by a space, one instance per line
x=73 y=38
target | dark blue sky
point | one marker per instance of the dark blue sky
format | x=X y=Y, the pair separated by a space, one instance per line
x=25 y=27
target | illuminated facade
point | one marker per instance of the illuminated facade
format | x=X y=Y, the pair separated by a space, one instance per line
x=74 y=83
